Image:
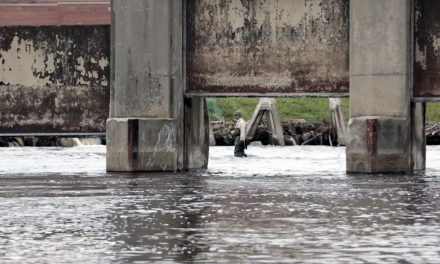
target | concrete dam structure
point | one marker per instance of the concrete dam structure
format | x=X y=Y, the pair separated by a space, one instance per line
x=166 y=56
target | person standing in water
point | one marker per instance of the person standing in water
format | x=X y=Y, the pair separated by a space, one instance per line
x=240 y=135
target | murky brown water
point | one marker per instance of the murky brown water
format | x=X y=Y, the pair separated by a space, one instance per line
x=281 y=205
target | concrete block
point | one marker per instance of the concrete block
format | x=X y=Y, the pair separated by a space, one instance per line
x=386 y=150
x=143 y=144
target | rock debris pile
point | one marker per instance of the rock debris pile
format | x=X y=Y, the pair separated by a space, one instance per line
x=296 y=132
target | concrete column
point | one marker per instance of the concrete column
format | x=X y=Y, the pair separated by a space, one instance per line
x=146 y=128
x=385 y=131
x=150 y=127
x=196 y=133
x=418 y=144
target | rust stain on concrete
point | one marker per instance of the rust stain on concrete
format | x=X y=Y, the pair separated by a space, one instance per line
x=54 y=79
x=372 y=131
x=267 y=46
x=54 y=12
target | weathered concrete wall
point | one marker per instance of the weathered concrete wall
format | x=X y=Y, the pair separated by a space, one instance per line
x=54 y=79
x=427 y=49
x=266 y=46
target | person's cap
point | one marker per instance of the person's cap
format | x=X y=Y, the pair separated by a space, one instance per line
x=237 y=113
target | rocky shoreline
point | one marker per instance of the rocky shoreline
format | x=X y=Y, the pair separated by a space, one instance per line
x=301 y=132
x=432 y=133
x=296 y=132
x=50 y=141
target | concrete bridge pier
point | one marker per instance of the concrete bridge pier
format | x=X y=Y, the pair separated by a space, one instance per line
x=147 y=129
x=386 y=130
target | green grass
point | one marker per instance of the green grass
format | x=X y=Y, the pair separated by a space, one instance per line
x=433 y=112
x=310 y=109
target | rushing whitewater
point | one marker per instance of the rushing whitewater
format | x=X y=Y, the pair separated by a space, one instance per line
x=279 y=205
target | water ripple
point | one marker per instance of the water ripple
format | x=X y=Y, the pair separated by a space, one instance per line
x=280 y=205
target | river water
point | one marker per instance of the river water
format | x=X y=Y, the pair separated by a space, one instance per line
x=279 y=205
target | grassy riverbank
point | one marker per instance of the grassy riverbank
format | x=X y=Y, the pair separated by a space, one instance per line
x=310 y=109
x=433 y=112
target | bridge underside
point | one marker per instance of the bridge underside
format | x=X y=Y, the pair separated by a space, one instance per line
x=267 y=47
x=167 y=55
